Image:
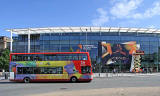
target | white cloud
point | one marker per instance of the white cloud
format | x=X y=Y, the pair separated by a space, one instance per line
x=137 y=16
x=127 y=9
x=151 y=26
x=155 y=10
x=124 y=8
x=102 y=18
x=152 y=11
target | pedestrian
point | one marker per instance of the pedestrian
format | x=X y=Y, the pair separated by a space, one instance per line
x=114 y=70
x=150 y=70
x=5 y=75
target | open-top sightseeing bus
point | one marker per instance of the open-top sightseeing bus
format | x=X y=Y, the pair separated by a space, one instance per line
x=58 y=66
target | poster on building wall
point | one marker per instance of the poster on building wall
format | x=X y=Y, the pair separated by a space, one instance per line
x=112 y=54
x=83 y=48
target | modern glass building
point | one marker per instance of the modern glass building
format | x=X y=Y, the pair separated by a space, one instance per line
x=91 y=39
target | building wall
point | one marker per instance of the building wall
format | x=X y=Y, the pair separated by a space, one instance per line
x=4 y=42
x=64 y=42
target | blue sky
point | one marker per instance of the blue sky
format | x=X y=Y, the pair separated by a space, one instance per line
x=54 y=13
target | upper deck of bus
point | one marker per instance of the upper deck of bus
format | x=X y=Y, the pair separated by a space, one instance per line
x=53 y=53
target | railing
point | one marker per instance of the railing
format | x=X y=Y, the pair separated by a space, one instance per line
x=123 y=74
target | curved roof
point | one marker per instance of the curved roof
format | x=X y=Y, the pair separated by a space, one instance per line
x=81 y=29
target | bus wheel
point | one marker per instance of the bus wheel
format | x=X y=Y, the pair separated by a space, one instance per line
x=26 y=80
x=73 y=79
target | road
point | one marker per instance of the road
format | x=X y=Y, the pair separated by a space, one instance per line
x=115 y=86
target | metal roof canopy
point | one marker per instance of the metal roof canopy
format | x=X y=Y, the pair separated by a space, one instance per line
x=81 y=29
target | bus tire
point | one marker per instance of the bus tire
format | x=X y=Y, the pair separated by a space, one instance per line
x=26 y=80
x=73 y=79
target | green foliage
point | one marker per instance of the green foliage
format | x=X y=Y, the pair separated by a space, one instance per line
x=71 y=49
x=4 y=59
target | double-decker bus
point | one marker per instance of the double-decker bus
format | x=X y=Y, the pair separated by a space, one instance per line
x=58 y=66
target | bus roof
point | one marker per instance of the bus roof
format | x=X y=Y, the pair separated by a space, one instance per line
x=52 y=53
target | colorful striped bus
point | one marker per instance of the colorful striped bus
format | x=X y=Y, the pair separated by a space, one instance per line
x=58 y=66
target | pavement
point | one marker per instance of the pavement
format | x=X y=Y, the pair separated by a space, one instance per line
x=131 y=91
x=4 y=80
x=115 y=86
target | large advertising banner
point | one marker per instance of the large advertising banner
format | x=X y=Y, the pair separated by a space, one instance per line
x=116 y=53
x=113 y=54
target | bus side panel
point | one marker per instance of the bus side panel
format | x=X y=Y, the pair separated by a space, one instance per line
x=70 y=68
x=12 y=70
x=52 y=64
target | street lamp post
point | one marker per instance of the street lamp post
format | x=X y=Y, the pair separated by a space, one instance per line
x=28 y=40
x=11 y=42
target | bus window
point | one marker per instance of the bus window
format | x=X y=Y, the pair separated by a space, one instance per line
x=14 y=57
x=46 y=58
x=30 y=58
x=54 y=70
x=60 y=70
x=19 y=70
x=49 y=57
x=42 y=71
x=54 y=58
x=83 y=57
x=36 y=70
x=38 y=57
x=25 y=58
x=75 y=56
x=70 y=57
x=19 y=58
x=47 y=71
x=27 y=70
x=65 y=57
x=30 y=70
x=59 y=57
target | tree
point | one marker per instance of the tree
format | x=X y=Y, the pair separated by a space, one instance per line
x=4 y=59
x=71 y=49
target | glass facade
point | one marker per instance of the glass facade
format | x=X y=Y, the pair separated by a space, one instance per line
x=89 y=41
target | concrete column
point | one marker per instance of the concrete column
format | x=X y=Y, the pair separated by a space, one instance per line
x=28 y=40
x=119 y=33
x=86 y=40
x=11 y=41
x=59 y=42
